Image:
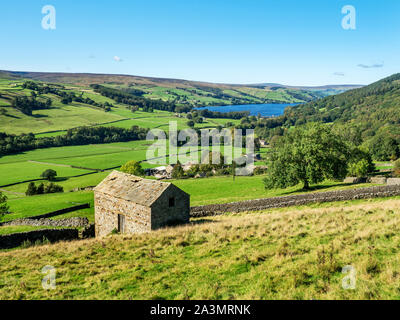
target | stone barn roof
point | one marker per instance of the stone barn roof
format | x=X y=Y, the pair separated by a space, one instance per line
x=128 y=187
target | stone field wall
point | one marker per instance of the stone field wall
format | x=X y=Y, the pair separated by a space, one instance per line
x=296 y=200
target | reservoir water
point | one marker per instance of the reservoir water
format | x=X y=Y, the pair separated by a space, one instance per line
x=266 y=110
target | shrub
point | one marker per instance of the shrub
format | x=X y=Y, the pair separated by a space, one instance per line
x=178 y=172
x=396 y=169
x=43 y=189
x=259 y=171
x=40 y=189
x=53 y=188
x=133 y=167
x=32 y=190
x=359 y=169
x=3 y=205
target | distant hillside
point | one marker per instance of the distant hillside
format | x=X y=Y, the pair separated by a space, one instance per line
x=370 y=107
x=368 y=115
x=190 y=92
x=334 y=87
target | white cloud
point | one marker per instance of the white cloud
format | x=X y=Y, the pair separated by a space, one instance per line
x=340 y=74
x=370 y=66
x=117 y=59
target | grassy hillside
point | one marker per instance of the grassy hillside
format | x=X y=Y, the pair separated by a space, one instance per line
x=295 y=253
x=379 y=101
x=190 y=92
x=368 y=115
x=61 y=117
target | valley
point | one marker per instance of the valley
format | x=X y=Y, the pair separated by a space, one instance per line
x=97 y=123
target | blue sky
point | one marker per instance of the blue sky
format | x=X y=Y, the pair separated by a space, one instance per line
x=291 y=42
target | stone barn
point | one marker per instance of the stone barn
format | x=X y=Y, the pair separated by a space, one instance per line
x=132 y=205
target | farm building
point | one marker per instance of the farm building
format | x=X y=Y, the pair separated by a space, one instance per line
x=132 y=205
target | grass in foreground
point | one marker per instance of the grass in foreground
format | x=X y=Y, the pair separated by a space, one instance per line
x=294 y=253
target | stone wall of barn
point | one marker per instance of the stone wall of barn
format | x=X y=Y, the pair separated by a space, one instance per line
x=137 y=217
x=163 y=215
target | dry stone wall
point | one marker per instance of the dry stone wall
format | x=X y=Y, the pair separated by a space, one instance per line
x=17 y=239
x=69 y=222
x=393 y=181
x=62 y=211
x=296 y=200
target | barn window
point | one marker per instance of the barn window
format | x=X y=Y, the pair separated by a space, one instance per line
x=171 y=202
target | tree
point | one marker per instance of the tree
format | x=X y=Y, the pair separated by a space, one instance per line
x=32 y=190
x=49 y=174
x=190 y=124
x=3 y=205
x=178 y=172
x=53 y=188
x=133 y=167
x=198 y=120
x=40 y=189
x=307 y=154
x=396 y=168
x=360 y=163
x=359 y=169
x=383 y=147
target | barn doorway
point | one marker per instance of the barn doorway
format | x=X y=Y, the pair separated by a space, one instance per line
x=121 y=223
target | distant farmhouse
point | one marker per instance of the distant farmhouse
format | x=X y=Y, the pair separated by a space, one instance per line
x=130 y=204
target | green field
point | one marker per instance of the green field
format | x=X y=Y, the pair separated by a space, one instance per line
x=20 y=171
x=59 y=118
x=37 y=205
x=224 y=189
x=75 y=151
x=203 y=191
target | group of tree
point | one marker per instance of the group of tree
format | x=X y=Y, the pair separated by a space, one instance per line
x=369 y=117
x=66 y=96
x=131 y=99
x=28 y=104
x=10 y=144
x=43 y=189
x=205 y=113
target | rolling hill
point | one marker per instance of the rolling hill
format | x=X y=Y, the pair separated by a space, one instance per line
x=87 y=106
x=191 y=92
